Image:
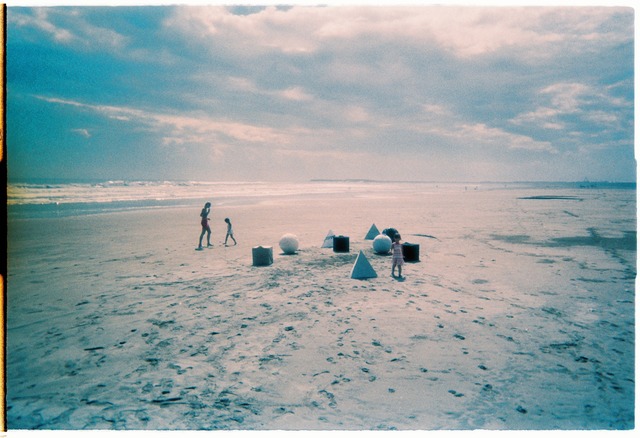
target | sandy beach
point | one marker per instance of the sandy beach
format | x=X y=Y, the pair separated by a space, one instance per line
x=519 y=315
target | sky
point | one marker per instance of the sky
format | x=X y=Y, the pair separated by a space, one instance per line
x=300 y=92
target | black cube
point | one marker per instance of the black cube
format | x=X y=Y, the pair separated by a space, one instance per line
x=340 y=243
x=411 y=252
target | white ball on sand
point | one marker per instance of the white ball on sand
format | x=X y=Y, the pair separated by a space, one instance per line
x=382 y=244
x=289 y=243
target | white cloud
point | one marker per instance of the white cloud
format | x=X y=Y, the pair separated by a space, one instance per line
x=542 y=117
x=356 y=114
x=40 y=21
x=243 y=35
x=113 y=112
x=469 y=135
x=431 y=109
x=585 y=103
x=481 y=134
x=82 y=132
x=602 y=117
x=69 y=28
x=464 y=31
x=198 y=129
x=296 y=93
x=567 y=97
x=242 y=84
x=322 y=83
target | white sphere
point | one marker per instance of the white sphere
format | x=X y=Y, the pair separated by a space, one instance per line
x=289 y=243
x=382 y=244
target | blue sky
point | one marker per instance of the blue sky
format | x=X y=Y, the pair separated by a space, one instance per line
x=236 y=93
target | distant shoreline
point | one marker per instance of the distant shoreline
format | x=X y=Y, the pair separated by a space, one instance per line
x=18 y=181
x=34 y=200
x=563 y=183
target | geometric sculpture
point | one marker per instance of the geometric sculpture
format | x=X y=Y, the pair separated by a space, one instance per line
x=328 y=241
x=373 y=232
x=362 y=268
x=262 y=255
x=382 y=244
x=390 y=232
x=340 y=243
x=289 y=243
x=411 y=252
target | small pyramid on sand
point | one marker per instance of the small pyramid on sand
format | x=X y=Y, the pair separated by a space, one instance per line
x=328 y=241
x=362 y=268
x=373 y=232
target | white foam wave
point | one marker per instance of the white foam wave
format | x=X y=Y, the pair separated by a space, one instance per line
x=119 y=191
x=218 y=192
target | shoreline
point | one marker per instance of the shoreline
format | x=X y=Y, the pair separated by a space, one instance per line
x=19 y=210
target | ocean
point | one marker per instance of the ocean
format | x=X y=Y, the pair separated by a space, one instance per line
x=61 y=199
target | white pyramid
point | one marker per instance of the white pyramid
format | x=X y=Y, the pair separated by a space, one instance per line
x=328 y=241
x=362 y=268
x=373 y=232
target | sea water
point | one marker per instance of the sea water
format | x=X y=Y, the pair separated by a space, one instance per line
x=60 y=198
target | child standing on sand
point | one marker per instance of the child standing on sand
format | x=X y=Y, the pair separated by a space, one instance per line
x=229 y=233
x=398 y=258
x=204 y=221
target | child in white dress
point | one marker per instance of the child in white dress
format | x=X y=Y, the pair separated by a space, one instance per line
x=229 y=233
x=398 y=257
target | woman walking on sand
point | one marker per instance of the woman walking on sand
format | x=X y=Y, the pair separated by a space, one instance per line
x=398 y=258
x=204 y=221
x=229 y=233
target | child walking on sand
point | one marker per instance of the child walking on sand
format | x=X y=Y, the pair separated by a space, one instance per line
x=229 y=233
x=398 y=258
x=204 y=221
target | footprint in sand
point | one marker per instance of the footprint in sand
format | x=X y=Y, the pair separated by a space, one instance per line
x=340 y=379
x=150 y=338
x=330 y=397
x=487 y=387
x=371 y=378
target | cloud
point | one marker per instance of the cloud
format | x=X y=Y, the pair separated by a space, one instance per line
x=579 y=101
x=310 y=84
x=566 y=97
x=40 y=22
x=112 y=112
x=82 y=132
x=69 y=28
x=463 y=31
x=246 y=85
x=296 y=93
x=469 y=136
x=270 y=28
x=195 y=129
x=542 y=117
x=495 y=136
